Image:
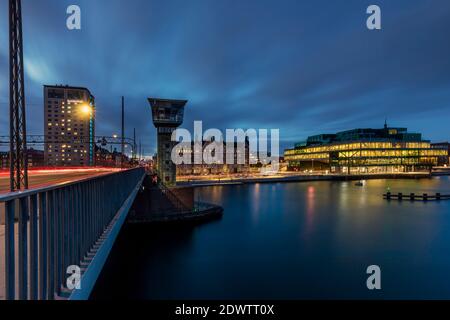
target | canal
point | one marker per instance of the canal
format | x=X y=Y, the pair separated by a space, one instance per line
x=291 y=241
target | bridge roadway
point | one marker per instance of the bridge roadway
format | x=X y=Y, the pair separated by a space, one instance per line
x=46 y=177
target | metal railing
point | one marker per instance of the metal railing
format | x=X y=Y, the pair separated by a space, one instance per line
x=199 y=209
x=58 y=227
x=174 y=200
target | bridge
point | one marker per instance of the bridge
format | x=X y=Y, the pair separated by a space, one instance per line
x=47 y=230
x=55 y=239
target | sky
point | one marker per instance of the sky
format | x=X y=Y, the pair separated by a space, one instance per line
x=304 y=67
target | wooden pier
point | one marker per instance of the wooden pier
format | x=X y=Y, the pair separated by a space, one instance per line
x=416 y=197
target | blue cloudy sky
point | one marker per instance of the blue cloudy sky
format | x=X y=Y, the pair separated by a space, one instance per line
x=305 y=67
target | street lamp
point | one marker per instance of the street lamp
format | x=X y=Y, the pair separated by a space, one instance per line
x=86 y=112
x=86 y=109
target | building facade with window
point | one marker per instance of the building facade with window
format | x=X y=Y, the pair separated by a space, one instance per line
x=35 y=159
x=69 y=122
x=386 y=150
x=239 y=153
x=444 y=160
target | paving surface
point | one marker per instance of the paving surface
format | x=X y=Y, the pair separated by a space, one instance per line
x=41 y=178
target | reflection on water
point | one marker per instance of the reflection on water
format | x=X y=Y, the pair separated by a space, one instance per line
x=292 y=241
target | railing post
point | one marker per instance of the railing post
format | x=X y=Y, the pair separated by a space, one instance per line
x=94 y=212
x=78 y=224
x=33 y=247
x=68 y=235
x=10 y=271
x=51 y=238
x=23 y=248
x=84 y=219
x=72 y=237
x=43 y=246
x=59 y=241
x=65 y=236
x=90 y=226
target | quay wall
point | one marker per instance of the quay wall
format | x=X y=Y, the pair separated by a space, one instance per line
x=302 y=178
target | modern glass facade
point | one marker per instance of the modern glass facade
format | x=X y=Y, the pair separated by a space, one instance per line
x=365 y=151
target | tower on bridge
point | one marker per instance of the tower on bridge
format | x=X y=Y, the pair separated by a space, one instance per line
x=167 y=116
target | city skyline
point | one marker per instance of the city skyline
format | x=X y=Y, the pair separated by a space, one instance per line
x=295 y=151
x=292 y=66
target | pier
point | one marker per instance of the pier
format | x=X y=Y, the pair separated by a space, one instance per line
x=416 y=197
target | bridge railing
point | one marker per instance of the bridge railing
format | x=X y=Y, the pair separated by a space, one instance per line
x=49 y=229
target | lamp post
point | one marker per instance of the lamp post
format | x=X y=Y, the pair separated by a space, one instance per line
x=86 y=111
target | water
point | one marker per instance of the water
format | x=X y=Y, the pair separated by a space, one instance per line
x=292 y=241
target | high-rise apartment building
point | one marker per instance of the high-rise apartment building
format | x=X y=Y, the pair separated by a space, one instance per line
x=69 y=122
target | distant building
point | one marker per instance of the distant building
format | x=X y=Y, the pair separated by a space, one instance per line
x=105 y=158
x=365 y=151
x=220 y=167
x=111 y=158
x=4 y=160
x=69 y=122
x=35 y=159
x=445 y=159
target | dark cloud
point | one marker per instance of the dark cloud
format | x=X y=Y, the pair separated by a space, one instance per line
x=302 y=66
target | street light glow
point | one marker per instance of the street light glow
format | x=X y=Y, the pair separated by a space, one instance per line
x=86 y=109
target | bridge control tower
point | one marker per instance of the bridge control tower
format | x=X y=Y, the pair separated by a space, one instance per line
x=167 y=116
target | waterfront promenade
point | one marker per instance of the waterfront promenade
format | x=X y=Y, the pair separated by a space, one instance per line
x=212 y=180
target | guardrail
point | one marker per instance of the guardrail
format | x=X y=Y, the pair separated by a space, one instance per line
x=58 y=227
x=178 y=204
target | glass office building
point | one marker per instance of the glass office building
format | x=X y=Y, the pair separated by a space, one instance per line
x=386 y=150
